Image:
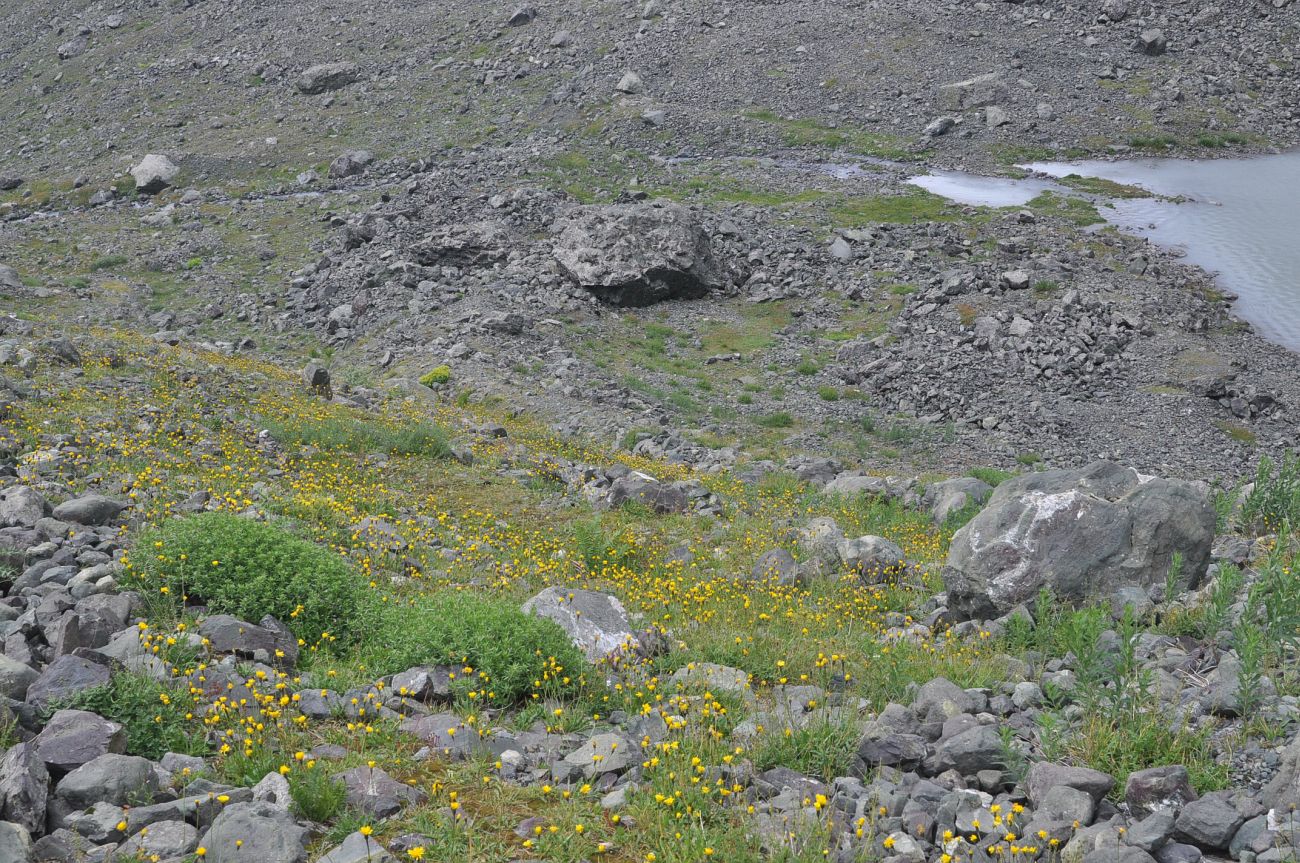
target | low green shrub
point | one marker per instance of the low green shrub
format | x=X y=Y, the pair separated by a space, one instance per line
x=152 y=714
x=513 y=654
x=821 y=748
x=316 y=796
x=1274 y=501
x=781 y=420
x=249 y=568
x=436 y=375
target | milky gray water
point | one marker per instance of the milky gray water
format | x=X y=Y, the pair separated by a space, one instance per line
x=1241 y=221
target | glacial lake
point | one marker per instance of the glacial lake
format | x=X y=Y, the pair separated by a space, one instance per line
x=1236 y=218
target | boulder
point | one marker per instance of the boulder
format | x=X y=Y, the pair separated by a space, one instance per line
x=953 y=495
x=777 y=564
x=604 y=753
x=73 y=737
x=164 y=840
x=1209 y=822
x=15 y=841
x=1152 y=42
x=978 y=92
x=1082 y=533
x=875 y=559
x=243 y=832
x=647 y=491
x=971 y=751
x=711 y=677
x=125 y=780
x=24 y=788
x=326 y=77
x=21 y=506
x=357 y=848
x=596 y=623
x=90 y=509
x=1043 y=776
x=374 y=792
x=15 y=678
x=64 y=678
x=638 y=254
x=154 y=173
x=350 y=164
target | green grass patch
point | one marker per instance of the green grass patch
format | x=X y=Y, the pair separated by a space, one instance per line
x=362 y=435
x=1103 y=187
x=911 y=206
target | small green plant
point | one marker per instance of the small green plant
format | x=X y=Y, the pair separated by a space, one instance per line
x=829 y=394
x=990 y=475
x=807 y=367
x=821 y=748
x=316 y=796
x=152 y=714
x=745 y=399
x=1274 y=502
x=1173 y=577
x=966 y=312
x=514 y=654
x=436 y=376
x=600 y=548
x=193 y=263
x=1250 y=644
x=107 y=262
x=779 y=420
x=249 y=569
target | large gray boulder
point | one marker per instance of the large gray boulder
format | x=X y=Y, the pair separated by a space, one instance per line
x=1086 y=534
x=21 y=506
x=596 y=623
x=15 y=841
x=256 y=831
x=64 y=678
x=24 y=788
x=638 y=254
x=126 y=780
x=154 y=173
x=953 y=495
x=660 y=497
x=93 y=509
x=16 y=678
x=326 y=77
x=74 y=737
x=373 y=791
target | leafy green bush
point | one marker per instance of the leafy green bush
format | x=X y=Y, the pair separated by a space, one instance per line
x=436 y=375
x=152 y=714
x=508 y=649
x=250 y=568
